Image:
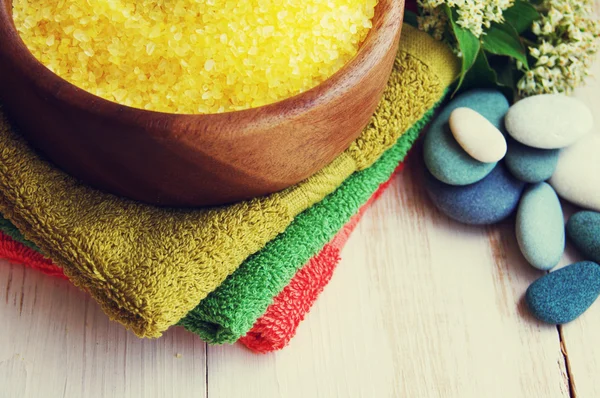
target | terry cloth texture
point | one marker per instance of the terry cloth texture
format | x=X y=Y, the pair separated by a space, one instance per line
x=278 y=325
x=148 y=266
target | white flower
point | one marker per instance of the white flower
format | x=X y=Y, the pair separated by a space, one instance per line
x=555 y=16
x=567 y=42
x=434 y=23
x=474 y=15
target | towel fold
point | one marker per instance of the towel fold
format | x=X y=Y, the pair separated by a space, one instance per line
x=148 y=267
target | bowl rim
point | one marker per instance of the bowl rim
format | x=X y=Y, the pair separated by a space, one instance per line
x=388 y=15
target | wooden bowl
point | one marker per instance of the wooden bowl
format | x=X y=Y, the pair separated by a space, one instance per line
x=195 y=160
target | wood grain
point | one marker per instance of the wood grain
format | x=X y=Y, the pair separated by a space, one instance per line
x=195 y=160
x=56 y=342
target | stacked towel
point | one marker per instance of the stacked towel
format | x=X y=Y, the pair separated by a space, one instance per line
x=214 y=271
x=276 y=327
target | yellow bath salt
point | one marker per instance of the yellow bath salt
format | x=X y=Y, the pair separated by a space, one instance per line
x=194 y=56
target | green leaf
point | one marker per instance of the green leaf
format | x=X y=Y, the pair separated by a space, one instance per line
x=491 y=73
x=521 y=15
x=411 y=18
x=504 y=40
x=467 y=43
x=481 y=74
x=505 y=70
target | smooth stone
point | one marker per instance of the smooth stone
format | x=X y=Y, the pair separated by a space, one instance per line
x=484 y=202
x=444 y=157
x=540 y=227
x=583 y=229
x=548 y=121
x=529 y=164
x=563 y=295
x=477 y=136
x=577 y=174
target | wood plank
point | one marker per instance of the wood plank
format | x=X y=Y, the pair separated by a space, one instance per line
x=57 y=342
x=420 y=306
x=581 y=338
x=459 y=292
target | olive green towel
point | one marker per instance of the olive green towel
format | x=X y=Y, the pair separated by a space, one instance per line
x=147 y=266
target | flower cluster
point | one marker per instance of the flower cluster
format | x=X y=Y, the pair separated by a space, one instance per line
x=474 y=15
x=433 y=21
x=566 y=43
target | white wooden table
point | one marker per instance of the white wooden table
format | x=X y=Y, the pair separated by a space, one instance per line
x=421 y=306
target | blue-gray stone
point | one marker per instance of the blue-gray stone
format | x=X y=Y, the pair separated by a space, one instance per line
x=563 y=295
x=444 y=157
x=583 y=229
x=540 y=227
x=484 y=202
x=530 y=164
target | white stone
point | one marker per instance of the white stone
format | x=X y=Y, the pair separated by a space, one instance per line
x=477 y=136
x=577 y=175
x=548 y=121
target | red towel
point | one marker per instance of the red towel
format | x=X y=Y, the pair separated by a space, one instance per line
x=16 y=252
